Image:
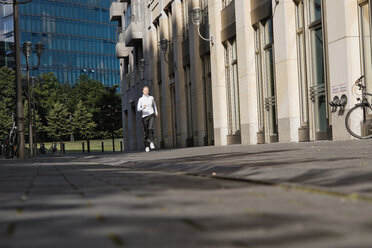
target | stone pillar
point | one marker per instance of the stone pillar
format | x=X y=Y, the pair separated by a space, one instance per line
x=247 y=72
x=196 y=77
x=218 y=75
x=286 y=72
x=179 y=73
x=344 y=56
x=166 y=117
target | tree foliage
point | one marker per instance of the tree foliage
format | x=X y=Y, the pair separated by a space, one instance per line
x=97 y=111
x=108 y=117
x=7 y=100
x=83 y=124
x=59 y=125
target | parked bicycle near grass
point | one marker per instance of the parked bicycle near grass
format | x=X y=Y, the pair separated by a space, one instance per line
x=10 y=144
x=358 y=120
x=51 y=150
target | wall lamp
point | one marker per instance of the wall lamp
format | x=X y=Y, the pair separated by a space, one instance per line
x=164 y=43
x=197 y=19
x=141 y=66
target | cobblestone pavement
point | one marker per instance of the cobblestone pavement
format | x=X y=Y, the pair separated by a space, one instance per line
x=287 y=195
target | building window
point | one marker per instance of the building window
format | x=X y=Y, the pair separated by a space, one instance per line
x=226 y=2
x=315 y=10
x=301 y=54
x=204 y=7
x=188 y=101
x=318 y=87
x=365 y=36
x=266 y=89
x=260 y=97
x=270 y=100
x=232 y=87
x=208 y=101
x=185 y=13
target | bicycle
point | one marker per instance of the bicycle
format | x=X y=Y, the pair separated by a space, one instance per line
x=11 y=143
x=358 y=120
x=53 y=149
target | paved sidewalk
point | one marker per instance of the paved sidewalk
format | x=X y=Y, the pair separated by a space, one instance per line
x=343 y=167
x=293 y=195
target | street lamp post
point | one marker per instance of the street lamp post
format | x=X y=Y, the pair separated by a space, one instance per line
x=27 y=51
x=17 y=52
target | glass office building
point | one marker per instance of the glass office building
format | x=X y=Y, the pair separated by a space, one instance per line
x=78 y=37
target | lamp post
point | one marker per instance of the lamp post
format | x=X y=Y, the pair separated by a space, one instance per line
x=164 y=47
x=27 y=51
x=19 y=105
x=197 y=19
x=87 y=71
x=141 y=66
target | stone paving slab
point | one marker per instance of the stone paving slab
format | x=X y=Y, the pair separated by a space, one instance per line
x=343 y=166
x=151 y=200
x=98 y=205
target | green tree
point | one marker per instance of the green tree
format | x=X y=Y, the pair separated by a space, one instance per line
x=48 y=91
x=82 y=122
x=39 y=126
x=108 y=119
x=89 y=91
x=5 y=121
x=7 y=100
x=59 y=125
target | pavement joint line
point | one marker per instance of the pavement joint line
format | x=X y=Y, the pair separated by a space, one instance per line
x=309 y=189
x=314 y=190
x=10 y=229
x=194 y=224
x=116 y=239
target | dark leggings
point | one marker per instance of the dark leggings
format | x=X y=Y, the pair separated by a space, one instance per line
x=148 y=124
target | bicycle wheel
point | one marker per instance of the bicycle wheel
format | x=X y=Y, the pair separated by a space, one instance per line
x=7 y=150
x=356 y=123
x=16 y=144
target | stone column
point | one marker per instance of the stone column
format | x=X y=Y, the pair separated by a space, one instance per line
x=218 y=75
x=247 y=72
x=342 y=27
x=166 y=117
x=286 y=72
x=179 y=73
x=196 y=77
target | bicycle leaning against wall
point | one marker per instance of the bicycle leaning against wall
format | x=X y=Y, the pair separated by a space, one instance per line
x=358 y=120
x=10 y=144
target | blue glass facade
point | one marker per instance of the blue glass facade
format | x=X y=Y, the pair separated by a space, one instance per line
x=78 y=37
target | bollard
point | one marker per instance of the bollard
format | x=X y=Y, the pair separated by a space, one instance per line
x=63 y=148
x=113 y=145
x=103 y=147
x=88 y=145
x=83 y=145
x=121 y=146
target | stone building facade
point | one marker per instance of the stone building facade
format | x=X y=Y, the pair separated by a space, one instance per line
x=252 y=72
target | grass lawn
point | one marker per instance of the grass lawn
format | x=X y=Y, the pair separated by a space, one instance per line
x=95 y=145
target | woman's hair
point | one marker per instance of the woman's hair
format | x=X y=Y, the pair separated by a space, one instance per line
x=145 y=87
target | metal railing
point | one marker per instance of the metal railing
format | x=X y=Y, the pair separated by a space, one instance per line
x=317 y=91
